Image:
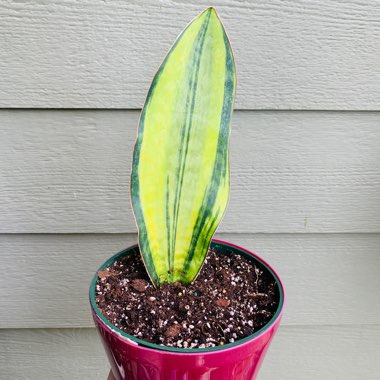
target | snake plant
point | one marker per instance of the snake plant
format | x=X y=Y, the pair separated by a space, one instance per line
x=180 y=170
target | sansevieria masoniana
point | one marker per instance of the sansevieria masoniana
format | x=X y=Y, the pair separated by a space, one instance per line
x=180 y=173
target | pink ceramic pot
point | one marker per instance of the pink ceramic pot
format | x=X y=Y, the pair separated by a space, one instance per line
x=135 y=359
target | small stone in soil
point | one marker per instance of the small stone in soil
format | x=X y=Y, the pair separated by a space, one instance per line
x=173 y=331
x=222 y=302
x=139 y=285
x=105 y=273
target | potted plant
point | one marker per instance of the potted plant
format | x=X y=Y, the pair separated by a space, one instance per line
x=180 y=305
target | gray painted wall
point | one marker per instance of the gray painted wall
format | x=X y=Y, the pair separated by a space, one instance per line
x=305 y=164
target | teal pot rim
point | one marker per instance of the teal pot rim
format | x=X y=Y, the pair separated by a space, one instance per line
x=218 y=246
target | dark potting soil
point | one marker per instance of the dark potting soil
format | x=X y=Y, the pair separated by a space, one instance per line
x=230 y=299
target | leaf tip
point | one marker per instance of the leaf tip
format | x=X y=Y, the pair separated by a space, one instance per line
x=210 y=11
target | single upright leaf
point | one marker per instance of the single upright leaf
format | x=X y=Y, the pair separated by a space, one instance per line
x=180 y=173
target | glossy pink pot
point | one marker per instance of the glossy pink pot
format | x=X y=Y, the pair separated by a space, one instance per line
x=135 y=359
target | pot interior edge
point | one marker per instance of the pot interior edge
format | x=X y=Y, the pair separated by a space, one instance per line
x=219 y=246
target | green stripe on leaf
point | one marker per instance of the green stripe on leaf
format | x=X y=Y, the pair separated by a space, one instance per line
x=180 y=173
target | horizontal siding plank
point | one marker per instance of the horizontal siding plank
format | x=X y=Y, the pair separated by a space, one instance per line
x=66 y=354
x=68 y=171
x=297 y=353
x=329 y=279
x=97 y=54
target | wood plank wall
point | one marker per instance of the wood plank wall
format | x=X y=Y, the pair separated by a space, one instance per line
x=305 y=165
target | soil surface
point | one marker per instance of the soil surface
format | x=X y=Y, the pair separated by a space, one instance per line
x=230 y=299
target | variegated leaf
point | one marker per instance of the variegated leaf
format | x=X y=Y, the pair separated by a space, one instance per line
x=180 y=174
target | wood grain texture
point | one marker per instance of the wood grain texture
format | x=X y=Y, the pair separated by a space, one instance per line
x=329 y=279
x=297 y=353
x=68 y=171
x=97 y=54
